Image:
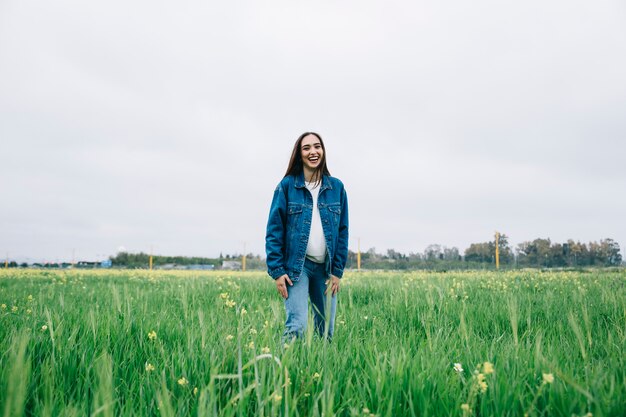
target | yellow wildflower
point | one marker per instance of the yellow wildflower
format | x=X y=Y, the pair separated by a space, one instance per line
x=483 y=386
x=481 y=382
x=316 y=376
x=224 y=295
x=265 y=350
x=152 y=335
x=44 y=328
x=286 y=346
x=244 y=311
x=465 y=407
x=253 y=331
x=183 y=382
x=266 y=324
x=487 y=368
x=230 y=337
x=278 y=398
x=29 y=311
x=149 y=367
x=458 y=367
x=230 y=303
x=195 y=391
x=548 y=378
x=30 y=298
x=14 y=309
x=3 y=306
x=251 y=345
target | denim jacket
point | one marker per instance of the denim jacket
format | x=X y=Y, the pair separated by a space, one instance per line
x=289 y=225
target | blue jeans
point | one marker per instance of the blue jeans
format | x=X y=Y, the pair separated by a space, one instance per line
x=312 y=284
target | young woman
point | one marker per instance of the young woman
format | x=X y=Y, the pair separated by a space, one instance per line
x=307 y=238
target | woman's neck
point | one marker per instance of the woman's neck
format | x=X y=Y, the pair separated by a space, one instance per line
x=308 y=174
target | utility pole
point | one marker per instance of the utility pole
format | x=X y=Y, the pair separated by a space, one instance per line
x=243 y=258
x=358 y=256
x=497 y=250
x=6 y=261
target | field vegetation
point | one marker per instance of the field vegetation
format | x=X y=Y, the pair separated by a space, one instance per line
x=183 y=343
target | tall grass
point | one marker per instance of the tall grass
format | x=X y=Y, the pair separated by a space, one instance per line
x=133 y=343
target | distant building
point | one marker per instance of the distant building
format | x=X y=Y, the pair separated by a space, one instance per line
x=201 y=267
x=231 y=265
x=93 y=264
x=87 y=264
x=197 y=267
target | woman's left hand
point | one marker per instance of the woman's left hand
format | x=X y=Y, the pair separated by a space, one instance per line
x=333 y=285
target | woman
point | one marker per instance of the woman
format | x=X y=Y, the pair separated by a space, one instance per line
x=307 y=238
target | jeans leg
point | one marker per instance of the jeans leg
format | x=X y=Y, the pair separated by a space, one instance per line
x=323 y=305
x=297 y=306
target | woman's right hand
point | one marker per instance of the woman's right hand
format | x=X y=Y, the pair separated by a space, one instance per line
x=281 y=285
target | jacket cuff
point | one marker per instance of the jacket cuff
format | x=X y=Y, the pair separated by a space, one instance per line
x=276 y=273
x=337 y=272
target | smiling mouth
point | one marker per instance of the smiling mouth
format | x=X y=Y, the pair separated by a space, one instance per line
x=314 y=159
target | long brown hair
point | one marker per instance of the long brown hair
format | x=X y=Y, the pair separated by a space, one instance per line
x=296 y=164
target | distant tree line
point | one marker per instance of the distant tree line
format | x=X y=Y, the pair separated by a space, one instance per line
x=539 y=253
x=142 y=260
x=543 y=253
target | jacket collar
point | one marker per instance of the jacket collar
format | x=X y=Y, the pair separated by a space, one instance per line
x=299 y=181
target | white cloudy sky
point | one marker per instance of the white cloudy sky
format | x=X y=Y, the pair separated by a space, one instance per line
x=168 y=124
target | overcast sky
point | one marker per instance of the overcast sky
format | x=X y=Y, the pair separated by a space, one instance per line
x=167 y=125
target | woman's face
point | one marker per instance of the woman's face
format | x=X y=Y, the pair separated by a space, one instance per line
x=311 y=152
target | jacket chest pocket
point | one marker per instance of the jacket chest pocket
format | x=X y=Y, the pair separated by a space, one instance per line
x=335 y=213
x=294 y=214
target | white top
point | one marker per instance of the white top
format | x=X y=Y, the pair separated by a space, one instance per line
x=316 y=248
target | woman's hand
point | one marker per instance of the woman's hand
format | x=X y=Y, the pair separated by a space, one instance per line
x=332 y=284
x=281 y=285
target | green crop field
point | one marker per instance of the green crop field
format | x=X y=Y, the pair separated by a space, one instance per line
x=135 y=343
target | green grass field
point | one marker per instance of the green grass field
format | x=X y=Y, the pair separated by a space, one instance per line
x=135 y=343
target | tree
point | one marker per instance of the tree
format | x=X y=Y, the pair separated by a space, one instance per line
x=415 y=256
x=433 y=252
x=607 y=252
x=451 y=254
x=596 y=254
x=614 y=257
x=392 y=254
x=576 y=253
x=557 y=255
x=535 y=253
x=480 y=252
x=486 y=252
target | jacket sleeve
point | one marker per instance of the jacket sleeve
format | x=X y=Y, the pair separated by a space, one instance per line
x=275 y=234
x=341 y=253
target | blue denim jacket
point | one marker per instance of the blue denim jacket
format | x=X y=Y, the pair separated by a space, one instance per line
x=289 y=225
